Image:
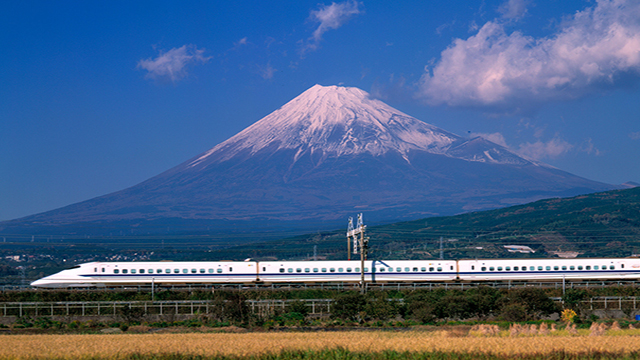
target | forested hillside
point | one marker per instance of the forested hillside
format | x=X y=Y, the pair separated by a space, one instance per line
x=601 y=224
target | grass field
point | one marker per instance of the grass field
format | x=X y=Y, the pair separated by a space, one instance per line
x=451 y=344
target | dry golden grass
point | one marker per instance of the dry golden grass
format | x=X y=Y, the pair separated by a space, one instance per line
x=119 y=345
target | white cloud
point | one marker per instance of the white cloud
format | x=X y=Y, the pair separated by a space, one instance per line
x=540 y=150
x=514 y=9
x=635 y=135
x=589 y=148
x=267 y=71
x=171 y=65
x=330 y=17
x=592 y=50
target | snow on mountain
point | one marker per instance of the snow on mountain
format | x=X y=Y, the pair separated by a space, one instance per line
x=341 y=121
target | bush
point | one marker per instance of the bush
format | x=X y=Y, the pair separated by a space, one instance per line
x=379 y=307
x=514 y=313
x=348 y=306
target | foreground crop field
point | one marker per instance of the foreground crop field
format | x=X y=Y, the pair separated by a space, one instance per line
x=237 y=345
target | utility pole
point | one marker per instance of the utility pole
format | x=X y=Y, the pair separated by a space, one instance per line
x=441 y=256
x=361 y=243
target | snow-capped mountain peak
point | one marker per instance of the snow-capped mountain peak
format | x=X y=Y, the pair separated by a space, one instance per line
x=337 y=121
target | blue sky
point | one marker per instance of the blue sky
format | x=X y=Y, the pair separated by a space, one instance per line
x=99 y=96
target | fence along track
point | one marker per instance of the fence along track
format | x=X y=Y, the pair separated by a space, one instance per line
x=317 y=307
x=146 y=308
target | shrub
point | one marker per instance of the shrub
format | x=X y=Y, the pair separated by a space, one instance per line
x=348 y=306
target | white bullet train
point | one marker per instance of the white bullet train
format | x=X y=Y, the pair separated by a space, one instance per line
x=108 y=274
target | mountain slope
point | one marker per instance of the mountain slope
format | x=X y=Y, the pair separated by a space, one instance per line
x=324 y=155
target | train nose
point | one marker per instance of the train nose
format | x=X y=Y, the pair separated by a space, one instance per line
x=39 y=282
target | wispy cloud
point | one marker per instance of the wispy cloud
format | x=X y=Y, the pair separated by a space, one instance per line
x=541 y=150
x=635 y=135
x=514 y=9
x=171 y=65
x=267 y=71
x=597 y=48
x=330 y=17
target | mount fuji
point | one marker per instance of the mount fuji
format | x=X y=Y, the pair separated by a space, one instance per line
x=327 y=154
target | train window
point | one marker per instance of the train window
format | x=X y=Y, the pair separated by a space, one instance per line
x=307 y=270
x=406 y=269
x=315 y=269
x=133 y=271
x=524 y=268
x=579 y=267
x=116 y=271
x=431 y=269
x=332 y=270
x=450 y=267
x=141 y=271
x=572 y=267
x=611 y=267
x=185 y=271
x=151 y=271
x=193 y=271
x=604 y=267
x=220 y=270
x=211 y=271
x=588 y=267
x=415 y=269
x=382 y=269
x=532 y=267
x=348 y=269
x=124 y=271
x=298 y=270
x=340 y=270
x=492 y=268
x=508 y=268
x=390 y=269
x=515 y=268
x=168 y=271
x=102 y=269
x=367 y=269
x=201 y=271
x=484 y=268
x=324 y=269
x=399 y=269
x=95 y=269
x=596 y=267
x=499 y=268
x=424 y=269
x=281 y=270
x=290 y=270
x=547 y=268
x=564 y=268
x=556 y=268
x=473 y=267
x=439 y=269
x=357 y=269
x=622 y=266
x=539 y=268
